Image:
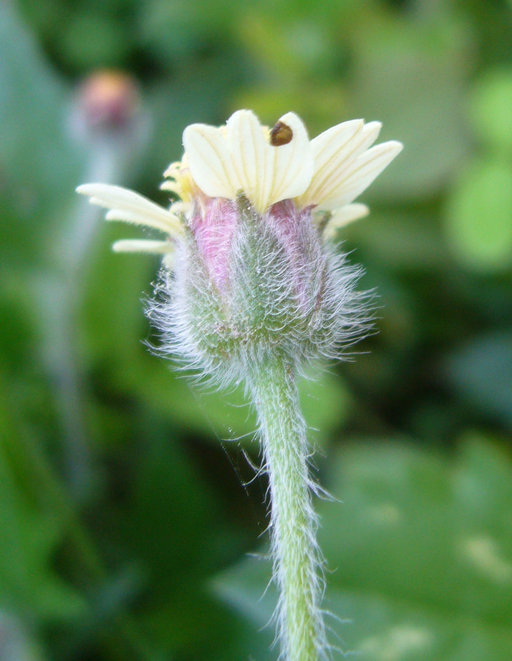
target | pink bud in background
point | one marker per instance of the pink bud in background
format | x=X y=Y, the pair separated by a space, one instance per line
x=107 y=100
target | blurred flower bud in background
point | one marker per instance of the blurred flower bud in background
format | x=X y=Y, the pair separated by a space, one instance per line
x=107 y=101
x=108 y=121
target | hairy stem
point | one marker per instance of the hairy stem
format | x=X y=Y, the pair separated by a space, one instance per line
x=296 y=555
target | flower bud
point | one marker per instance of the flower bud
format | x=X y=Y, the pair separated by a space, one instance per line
x=249 y=270
x=246 y=285
x=106 y=102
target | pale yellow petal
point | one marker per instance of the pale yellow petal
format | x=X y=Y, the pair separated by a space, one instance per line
x=143 y=246
x=329 y=151
x=248 y=150
x=180 y=208
x=131 y=207
x=180 y=181
x=137 y=218
x=334 y=151
x=362 y=172
x=292 y=163
x=209 y=160
x=170 y=186
x=328 y=172
x=240 y=158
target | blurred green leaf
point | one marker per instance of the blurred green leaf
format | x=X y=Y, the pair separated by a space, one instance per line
x=174 y=30
x=172 y=520
x=39 y=163
x=401 y=240
x=490 y=105
x=397 y=61
x=176 y=530
x=109 y=47
x=28 y=540
x=270 y=102
x=479 y=215
x=113 y=319
x=481 y=373
x=419 y=553
x=285 y=45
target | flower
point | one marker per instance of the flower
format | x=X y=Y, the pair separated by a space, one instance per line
x=248 y=264
x=266 y=166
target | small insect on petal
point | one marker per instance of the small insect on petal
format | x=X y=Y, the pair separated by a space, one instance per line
x=281 y=134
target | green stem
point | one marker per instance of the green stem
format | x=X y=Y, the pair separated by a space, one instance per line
x=293 y=522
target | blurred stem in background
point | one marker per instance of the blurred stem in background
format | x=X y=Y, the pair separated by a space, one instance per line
x=29 y=461
x=105 y=121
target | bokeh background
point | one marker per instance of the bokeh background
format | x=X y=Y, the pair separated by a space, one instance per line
x=131 y=524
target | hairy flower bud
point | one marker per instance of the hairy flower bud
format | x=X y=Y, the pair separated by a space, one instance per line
x=248 y=270
x=246 y=285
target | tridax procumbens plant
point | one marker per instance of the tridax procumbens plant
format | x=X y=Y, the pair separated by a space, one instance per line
x=252 y=290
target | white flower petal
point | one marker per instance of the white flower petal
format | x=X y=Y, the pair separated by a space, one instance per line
x=343 y=217
x=143 y=245
x=334 y=151
x=362 y=172
x=131 y=207
x=209 y=161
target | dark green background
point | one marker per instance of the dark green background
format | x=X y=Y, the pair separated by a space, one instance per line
x=129 y=517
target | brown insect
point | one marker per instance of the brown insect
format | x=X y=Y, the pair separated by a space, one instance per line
x=281 y=134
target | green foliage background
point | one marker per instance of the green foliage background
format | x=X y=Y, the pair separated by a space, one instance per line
x=129 y=513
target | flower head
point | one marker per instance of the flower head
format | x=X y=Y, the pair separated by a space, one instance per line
x=327 y=172
x=266 y=166
x=251 y=267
